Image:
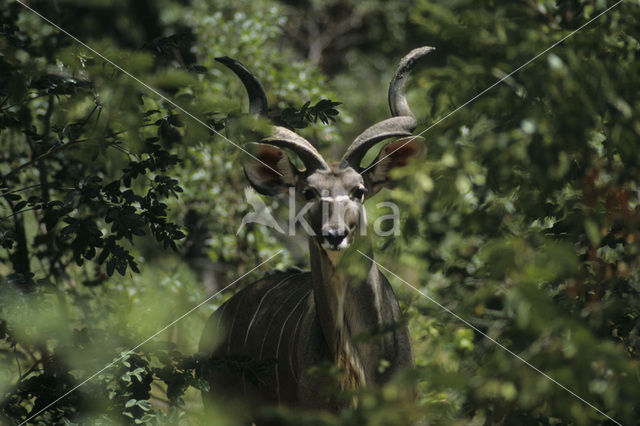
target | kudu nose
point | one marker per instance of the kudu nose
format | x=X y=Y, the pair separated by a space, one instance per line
x=335 y=236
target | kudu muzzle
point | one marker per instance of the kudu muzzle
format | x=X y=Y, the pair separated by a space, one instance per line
x=340 y=216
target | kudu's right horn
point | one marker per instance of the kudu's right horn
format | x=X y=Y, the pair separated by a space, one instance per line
x=280 y=136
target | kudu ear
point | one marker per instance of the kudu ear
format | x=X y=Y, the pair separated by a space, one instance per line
x=393 y=155
x=273 y=173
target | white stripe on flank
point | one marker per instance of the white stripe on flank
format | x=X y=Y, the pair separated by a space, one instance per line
x=266 y=332
x=280 y=339
x=224 y=306
x=293 y=338
x=246 y=337
x=235 y=314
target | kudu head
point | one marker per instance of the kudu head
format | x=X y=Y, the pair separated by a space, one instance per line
x=334 y=191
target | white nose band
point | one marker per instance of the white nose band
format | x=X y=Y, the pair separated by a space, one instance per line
x=335 y=199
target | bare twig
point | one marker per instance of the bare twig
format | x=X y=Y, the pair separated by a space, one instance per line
x=35 y=185
x=15 y=355
x=21 y=211
x=42 y=156
x=50 y=152
x=33 y=368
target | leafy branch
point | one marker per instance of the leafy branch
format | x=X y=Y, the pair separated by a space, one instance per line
x=293 y=118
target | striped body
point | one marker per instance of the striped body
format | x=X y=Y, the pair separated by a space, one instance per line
x=275 y=319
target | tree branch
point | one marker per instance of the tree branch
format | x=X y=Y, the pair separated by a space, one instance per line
x=49 y=153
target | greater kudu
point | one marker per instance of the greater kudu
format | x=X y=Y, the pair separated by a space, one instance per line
x=301 y=319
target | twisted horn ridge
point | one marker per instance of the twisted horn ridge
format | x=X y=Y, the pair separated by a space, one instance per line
x=391 y=127
x=397 y=99
x=280 y=136
x=258 y=103
x=285 y=138
x=402 y=123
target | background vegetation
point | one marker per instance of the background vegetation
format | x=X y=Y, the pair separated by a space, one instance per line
x=119 y=213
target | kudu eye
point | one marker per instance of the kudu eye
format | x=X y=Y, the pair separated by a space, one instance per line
x=309 y=194
x=358 y=193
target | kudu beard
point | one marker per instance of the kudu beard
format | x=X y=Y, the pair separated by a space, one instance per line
x=332 y=207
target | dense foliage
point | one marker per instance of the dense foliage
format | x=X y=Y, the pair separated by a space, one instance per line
x=120 y=212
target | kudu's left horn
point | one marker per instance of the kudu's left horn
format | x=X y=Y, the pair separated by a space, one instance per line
x=402 y=123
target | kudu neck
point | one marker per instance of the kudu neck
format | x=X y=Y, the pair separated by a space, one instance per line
x=330 y=271
x=330 y=281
